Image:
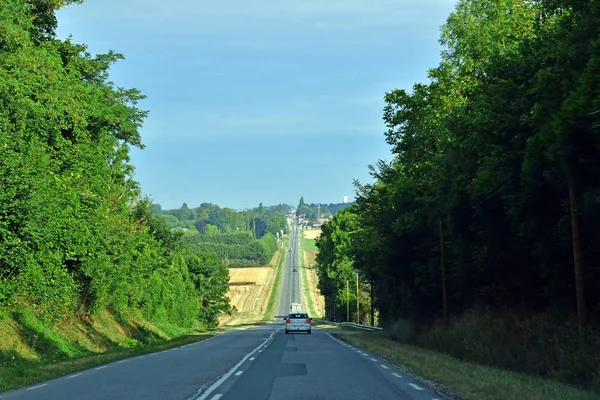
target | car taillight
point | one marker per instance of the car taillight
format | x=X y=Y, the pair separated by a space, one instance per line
x=308 y=321
x=288 y=321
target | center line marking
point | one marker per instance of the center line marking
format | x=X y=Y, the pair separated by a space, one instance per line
x=239 y=373
x=417 y=387
x=73 y=376
x=223 y=378
x=38 y=386
x=396 y=375
x=384 y=366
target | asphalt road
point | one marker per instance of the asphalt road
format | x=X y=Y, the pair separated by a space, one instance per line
x=258 y=363
x=290 y=284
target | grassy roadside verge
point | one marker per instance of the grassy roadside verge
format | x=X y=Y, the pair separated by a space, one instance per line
x=304 y=282
x=310 y=244
x=273 y=299
x=461 y=379
x=25 y=373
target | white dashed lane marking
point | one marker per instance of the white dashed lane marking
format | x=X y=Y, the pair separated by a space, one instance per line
x=239 y=373
x=252 y=358
x=73 y=376
x=396 y=375
x=416 y=387
x=36 y=387
x=102 y=367
x=373 y=359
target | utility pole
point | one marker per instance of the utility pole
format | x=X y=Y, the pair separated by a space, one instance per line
x=372 y=306
x=347 y=300
x=357 y=302
x=443 y=265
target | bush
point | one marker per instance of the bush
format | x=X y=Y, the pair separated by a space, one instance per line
x=543 y=344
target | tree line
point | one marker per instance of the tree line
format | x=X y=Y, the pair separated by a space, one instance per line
x=240 y=239
x=75 y=234
x=492 y=201
x=312 y=211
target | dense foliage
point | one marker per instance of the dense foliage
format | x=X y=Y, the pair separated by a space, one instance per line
x=240 y=239
x=497 y=162
x=313 y=211
x=74 y=233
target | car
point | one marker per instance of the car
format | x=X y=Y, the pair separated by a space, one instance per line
x=294 y=270
x=298 y=322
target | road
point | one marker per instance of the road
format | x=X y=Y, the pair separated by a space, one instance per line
x=257 y=363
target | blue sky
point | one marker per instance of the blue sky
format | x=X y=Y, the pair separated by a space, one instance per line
x=260 y=101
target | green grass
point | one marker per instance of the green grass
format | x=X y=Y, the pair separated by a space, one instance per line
x=310 y=245
x=304 y=287
x=273 y=299
x=465 y=380
x=17 y=372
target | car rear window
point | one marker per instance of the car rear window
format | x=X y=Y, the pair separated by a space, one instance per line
x=299 y=316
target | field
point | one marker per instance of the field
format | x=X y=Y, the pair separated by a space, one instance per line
x=311 y=233
x=314 y=301
x=249 y=292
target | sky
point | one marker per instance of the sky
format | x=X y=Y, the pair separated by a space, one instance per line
x=264 y=100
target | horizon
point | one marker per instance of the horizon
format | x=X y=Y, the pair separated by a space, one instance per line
x=260 y=101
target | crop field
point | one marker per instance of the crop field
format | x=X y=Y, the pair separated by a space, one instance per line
x=309 y=277
x=311 y=233
x=249 y=291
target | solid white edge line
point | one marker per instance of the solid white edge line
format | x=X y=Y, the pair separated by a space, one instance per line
x=38 y=386
x=384 y=366
x=218 y=383
x=417 y=387
x=396 y=375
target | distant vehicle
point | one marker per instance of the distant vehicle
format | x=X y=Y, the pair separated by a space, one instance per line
x=289 y=249
x=294 y=270
x=298 y=322
x=296 y=308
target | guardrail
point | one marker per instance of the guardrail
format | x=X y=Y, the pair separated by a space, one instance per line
x=351 y=324
x=365 y=327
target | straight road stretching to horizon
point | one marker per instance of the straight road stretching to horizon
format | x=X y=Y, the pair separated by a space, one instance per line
x=256 y=363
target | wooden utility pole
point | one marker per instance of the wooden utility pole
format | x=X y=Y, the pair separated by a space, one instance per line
x=443 y=265
x=372 y=306
x=576 y=235
x=357 y=302
x=347 y=300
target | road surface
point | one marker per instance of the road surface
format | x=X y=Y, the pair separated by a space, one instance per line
x=258 y=363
